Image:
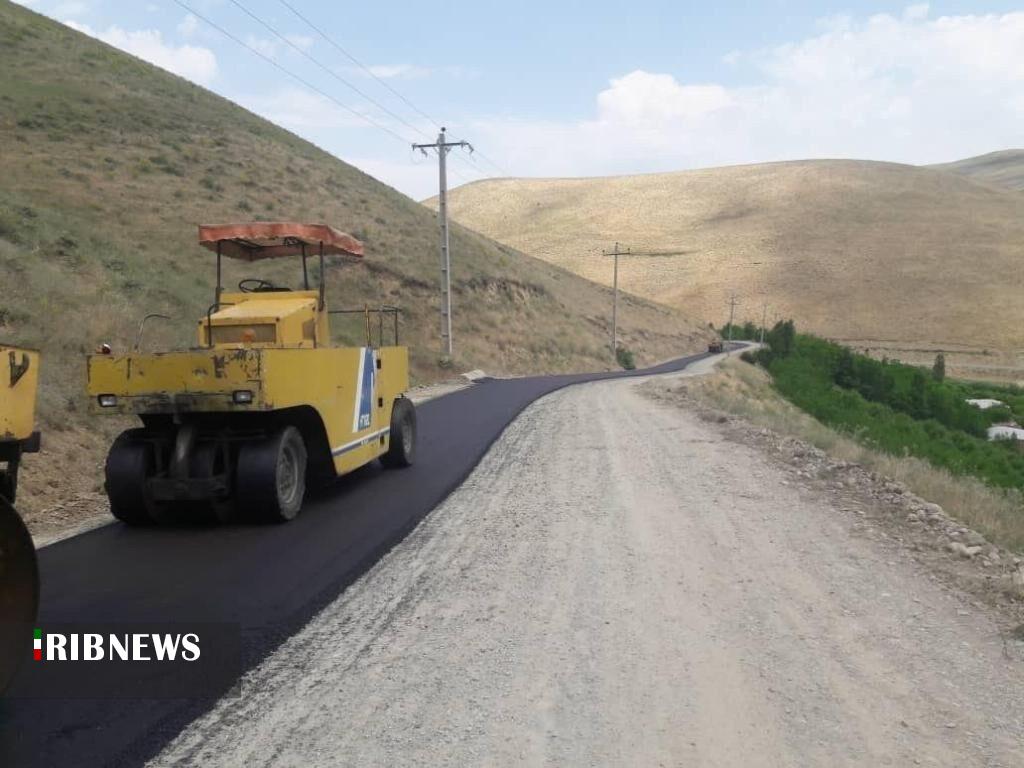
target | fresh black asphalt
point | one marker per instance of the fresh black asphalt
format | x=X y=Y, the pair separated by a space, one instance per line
x=269 y=580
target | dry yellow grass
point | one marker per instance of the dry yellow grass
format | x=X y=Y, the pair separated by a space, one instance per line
x=1003 y=169
x=862 y=251
x=746 y=391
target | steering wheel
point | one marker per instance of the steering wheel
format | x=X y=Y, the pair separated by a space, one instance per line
x=258 y=285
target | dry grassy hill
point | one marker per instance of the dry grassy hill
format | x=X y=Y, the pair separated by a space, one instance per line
x=109 y=163
x=878 y=254
x=1004 y=168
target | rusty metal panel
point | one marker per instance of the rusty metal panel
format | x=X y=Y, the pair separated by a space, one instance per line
x=202 y=379
x=19 y=380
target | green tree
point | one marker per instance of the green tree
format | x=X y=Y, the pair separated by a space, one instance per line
x=939 y=368
x=845 y=375
x=782 y=338
x=625 y=358
x=918 y=395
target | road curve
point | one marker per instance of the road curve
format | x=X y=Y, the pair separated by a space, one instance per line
x=268 y=580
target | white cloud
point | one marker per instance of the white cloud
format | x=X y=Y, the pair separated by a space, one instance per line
x=271 y=47
x=642 y=99
x=267 y=47
x=392 y=71
x=188 y=26
x=305 y=42
x=416 y=178
x=297 y=109
x=906 y=88
x=192 y=62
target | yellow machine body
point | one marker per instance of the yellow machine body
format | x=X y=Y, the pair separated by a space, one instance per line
x=288 y=319
x=272 y=348
x=19 y=380
x=265 y=405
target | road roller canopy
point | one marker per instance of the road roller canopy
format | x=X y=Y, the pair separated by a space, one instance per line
x=268 y=239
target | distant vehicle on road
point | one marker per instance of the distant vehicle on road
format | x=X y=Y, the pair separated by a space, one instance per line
x=715 y=346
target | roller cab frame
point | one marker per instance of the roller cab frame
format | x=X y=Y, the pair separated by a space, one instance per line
x=264 y=406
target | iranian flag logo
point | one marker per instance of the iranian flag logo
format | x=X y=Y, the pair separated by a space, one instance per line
x=37 y=644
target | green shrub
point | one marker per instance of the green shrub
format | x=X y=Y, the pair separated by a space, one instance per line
x=625 y=358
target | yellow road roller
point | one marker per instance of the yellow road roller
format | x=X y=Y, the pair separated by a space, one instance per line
x=19 y=572
x=265 y=405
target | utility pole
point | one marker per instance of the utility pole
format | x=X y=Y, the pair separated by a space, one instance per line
x=732 y=313
x=615 y=296
x=764 y=319
x=443 y=147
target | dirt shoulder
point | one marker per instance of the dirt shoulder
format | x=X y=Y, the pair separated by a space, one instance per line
x=622 y=582
x=889 y=511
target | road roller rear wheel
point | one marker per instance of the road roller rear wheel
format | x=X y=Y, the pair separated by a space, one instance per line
x=19 y=592
x=129 y=464
x=271 y=476
x=402 y=438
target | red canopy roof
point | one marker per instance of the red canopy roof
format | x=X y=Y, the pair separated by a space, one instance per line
x=267 y=239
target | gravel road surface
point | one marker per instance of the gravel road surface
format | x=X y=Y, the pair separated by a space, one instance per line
x=616 y=584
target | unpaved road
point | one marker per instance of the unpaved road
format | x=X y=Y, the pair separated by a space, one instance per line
x=617 y=585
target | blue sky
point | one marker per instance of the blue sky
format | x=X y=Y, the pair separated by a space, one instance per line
x=585 y=88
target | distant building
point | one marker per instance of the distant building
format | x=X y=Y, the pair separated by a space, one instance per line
x=985 y=403
x=1005 y=432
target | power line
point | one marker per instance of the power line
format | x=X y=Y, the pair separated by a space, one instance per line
x=502 y=172
x=358 y=63
x=500 y=169
x=341 y=49
x=362 y=116
x=325 y=68
x=291 y=74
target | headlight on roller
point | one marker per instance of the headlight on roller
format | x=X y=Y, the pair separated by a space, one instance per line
x=242 y=396
x=107 y=401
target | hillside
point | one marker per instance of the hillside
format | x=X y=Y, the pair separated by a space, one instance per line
x=1004 y=168
x=109 y=163
x=872 y=253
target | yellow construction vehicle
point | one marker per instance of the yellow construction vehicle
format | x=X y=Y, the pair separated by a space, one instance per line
x=265 y=405
x=19 y=572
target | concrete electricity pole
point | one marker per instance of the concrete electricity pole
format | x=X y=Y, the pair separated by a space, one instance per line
x=764 y=319
x=443 y=147
x=615 y=296
x=732 y=313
